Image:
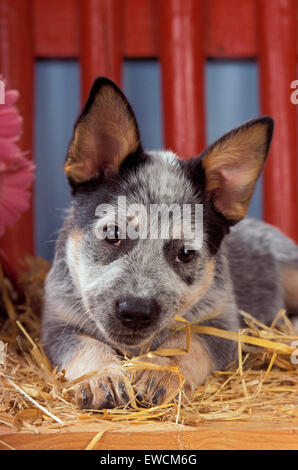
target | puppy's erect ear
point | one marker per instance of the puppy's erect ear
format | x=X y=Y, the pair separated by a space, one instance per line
x=233 y=164
x=105 y=134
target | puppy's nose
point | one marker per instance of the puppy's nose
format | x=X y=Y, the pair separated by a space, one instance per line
x=137 y=313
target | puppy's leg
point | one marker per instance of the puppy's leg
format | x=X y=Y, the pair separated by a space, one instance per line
x=79 y=354
x=107 y=388
x=153 y=387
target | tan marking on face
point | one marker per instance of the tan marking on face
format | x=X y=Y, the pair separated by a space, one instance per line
x=197 y=291
x=74 y=242
x=76 y=235
x=289 y=279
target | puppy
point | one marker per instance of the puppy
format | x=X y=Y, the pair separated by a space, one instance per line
x=109 y=294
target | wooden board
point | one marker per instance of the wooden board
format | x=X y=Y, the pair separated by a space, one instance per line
x=230 y=28
x=207 y=436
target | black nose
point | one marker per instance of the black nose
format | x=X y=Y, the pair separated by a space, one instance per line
x=137 y=313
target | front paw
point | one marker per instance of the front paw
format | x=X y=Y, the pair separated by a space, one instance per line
x=162 y=384
x=104 y=390
x=154 y=387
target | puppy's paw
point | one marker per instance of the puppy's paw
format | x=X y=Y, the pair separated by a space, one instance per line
x=104 y=390
x=154 y=387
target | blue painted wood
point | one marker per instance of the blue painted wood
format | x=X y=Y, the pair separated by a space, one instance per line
x=231 y=99
x=56 y=108
x=142 y=87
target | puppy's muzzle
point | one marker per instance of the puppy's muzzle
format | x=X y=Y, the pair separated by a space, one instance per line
x=136 y=313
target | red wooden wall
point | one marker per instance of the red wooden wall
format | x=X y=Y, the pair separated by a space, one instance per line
x=182 y=34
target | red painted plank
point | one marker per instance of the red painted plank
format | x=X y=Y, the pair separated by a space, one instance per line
x=56 y=32
x=100 y=41
x=16 y=65
x=230 y=28
x=182 y=57
x=277 y=54
x=141 y=28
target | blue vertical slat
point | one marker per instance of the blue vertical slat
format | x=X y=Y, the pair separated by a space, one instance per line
x=56 y=108
x=232 y=98
x=141 y=80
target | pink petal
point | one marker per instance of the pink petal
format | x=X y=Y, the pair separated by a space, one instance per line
x=10 y=123
x=10 y=212
x=14 y=194
x=16 y=171
x=11 y=96
x=22 y=177
x=8 y=150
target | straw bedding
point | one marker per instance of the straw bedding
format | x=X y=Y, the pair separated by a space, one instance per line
x=262 y=385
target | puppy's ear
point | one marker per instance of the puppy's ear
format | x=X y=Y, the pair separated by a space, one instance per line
x=233 y=164
x=104 y=135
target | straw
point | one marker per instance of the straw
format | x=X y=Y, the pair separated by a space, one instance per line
x=95 y=440
x=38 y=405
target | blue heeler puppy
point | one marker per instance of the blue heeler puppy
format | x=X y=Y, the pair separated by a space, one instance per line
x=110 y=295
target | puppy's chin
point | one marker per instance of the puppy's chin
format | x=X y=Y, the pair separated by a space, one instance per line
x=131 y=340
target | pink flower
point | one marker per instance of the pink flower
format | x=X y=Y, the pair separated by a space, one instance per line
x=16 y=171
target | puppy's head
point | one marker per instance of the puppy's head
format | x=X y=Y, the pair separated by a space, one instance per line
x=148 y=225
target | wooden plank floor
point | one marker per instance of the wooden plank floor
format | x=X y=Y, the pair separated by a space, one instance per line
x=212 y=435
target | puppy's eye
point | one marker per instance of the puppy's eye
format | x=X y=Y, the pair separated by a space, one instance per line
x=113 y=235
x=185 y=256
